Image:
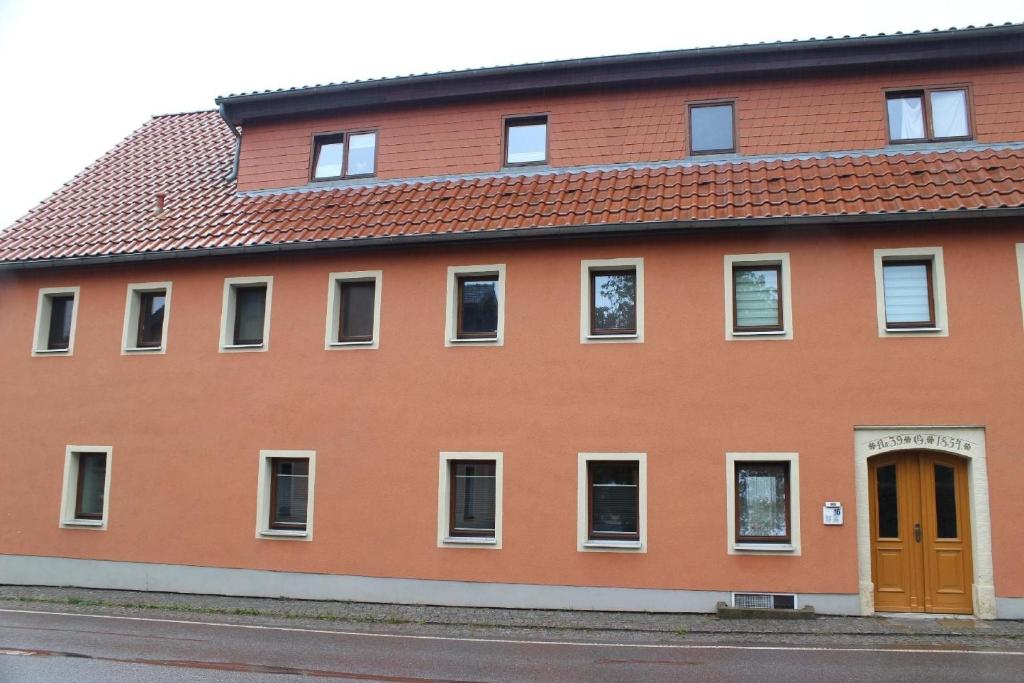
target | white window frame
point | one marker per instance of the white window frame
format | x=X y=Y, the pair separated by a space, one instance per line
x=334 y=281
x=791 y=548
x=934 y=254
x=780 y=259
x=584 y=543
x=444 y=498
x=263 y=483
x=227 y=315
x=1020 y=275
x=451 y=314
x=41 y=332
x=588 y=265
x=69 y=490
x=131 y=318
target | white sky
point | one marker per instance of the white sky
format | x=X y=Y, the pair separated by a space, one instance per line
x=77 y=76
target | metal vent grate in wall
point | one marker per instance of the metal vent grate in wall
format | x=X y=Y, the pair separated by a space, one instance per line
x=764 y=600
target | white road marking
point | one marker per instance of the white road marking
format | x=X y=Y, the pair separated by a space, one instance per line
x=509 y=641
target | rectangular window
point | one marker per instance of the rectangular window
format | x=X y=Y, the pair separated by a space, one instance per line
x=473 y=494
x=613 y=301
x=356 y=314
x=478 y=307
x=145 y=318
x=712 y=128
x=475 y=310
x=908 y=291
x=762 y=502
x=86 y=489
x=614 y=500
x=526 y=140
x=757 y=298
x=344 y=155
x=62 y=308
x=150 y=332
x=928 y=114
x=56 y=317
x=284 y=507
x=289 y=493
x=250 y=308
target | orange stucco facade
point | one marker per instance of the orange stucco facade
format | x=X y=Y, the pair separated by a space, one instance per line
x=186 y=427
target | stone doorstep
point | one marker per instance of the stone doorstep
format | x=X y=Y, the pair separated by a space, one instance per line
x=726 y=612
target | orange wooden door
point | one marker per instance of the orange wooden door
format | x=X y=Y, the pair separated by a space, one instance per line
x=920 y=534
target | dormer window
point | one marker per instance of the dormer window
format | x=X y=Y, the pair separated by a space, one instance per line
x=928 y=114
x=344 y=155
x=526 y=140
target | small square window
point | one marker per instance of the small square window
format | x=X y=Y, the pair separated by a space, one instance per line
x=84 y=500
x=928 y=114
x=344 y=155
x=762 y=502
x=285 y=495
x=56 y=317
x=909 y=298
x=526 y=140
x=478 y=307
x=712 y=128
x=613 y=302
x=757 y=298
x=472 y=487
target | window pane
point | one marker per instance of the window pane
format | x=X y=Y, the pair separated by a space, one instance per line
x=761 y=496
x=757 y=297
x=906 y=293
x=356 y=311
x=945 y=501
x=478 y=301
x=888 y=505
x=291 y=481
x=92 y=474
x=614 y=497
x=906 y=118
x=250 y=305
x=329 y=157
x=61 y=309
x=474 y=502
x=362 y=149
x=527 y=143
x=151 y=318
x=949 y=113
x=614 y=301
x=711 y=128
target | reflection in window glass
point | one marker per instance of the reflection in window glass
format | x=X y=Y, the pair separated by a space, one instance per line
x=473 y=502
x=478 y=307
x=151 y=319
x=330 y=153
x=357 y=304
x=290 y=493
x=761 y=492
x=906 y=117
x=757 y=297
x=949 y=113
x=711 y=128
x=362 y=149
x=907 y=290
x=526 y=142
x=92 y=474
x=614 y=499
x=613 y=301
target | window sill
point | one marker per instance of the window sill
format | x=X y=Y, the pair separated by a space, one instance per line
x=283 y=533
x=143 y=349
x=474 y=340
x=911 y=330
x=618 y=545
x=613 y=336
x=759 y=333
x=51 y=352
x=242 y=348
x=764 y=547
x=350 y=344
x=470 y=540
x=83 y=523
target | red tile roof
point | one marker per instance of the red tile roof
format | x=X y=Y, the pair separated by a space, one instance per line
x=111 y=208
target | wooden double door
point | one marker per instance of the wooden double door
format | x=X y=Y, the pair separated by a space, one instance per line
x=920 y=533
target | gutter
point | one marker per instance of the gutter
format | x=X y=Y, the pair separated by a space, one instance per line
x=528 y=235
x=233 y=176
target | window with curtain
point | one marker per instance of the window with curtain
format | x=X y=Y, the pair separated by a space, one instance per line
x=355 y=319
x=250 y=309
x=929 y=114
x=762 y=502
x=92 y=481
x=289 y=493
x=907 y=287
x=756 y=298
x=526 y=140
x=614 y=505
x=472 y=490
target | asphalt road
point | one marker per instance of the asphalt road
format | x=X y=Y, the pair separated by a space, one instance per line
x=43 y=646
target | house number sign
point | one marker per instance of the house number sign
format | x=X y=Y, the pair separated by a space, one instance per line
x=832 y=513
x=947 y=443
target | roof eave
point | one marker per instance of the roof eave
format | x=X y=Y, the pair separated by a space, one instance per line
x=525 y=234
x=998 y=43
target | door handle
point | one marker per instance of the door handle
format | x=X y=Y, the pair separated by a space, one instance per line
x=917 y=532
